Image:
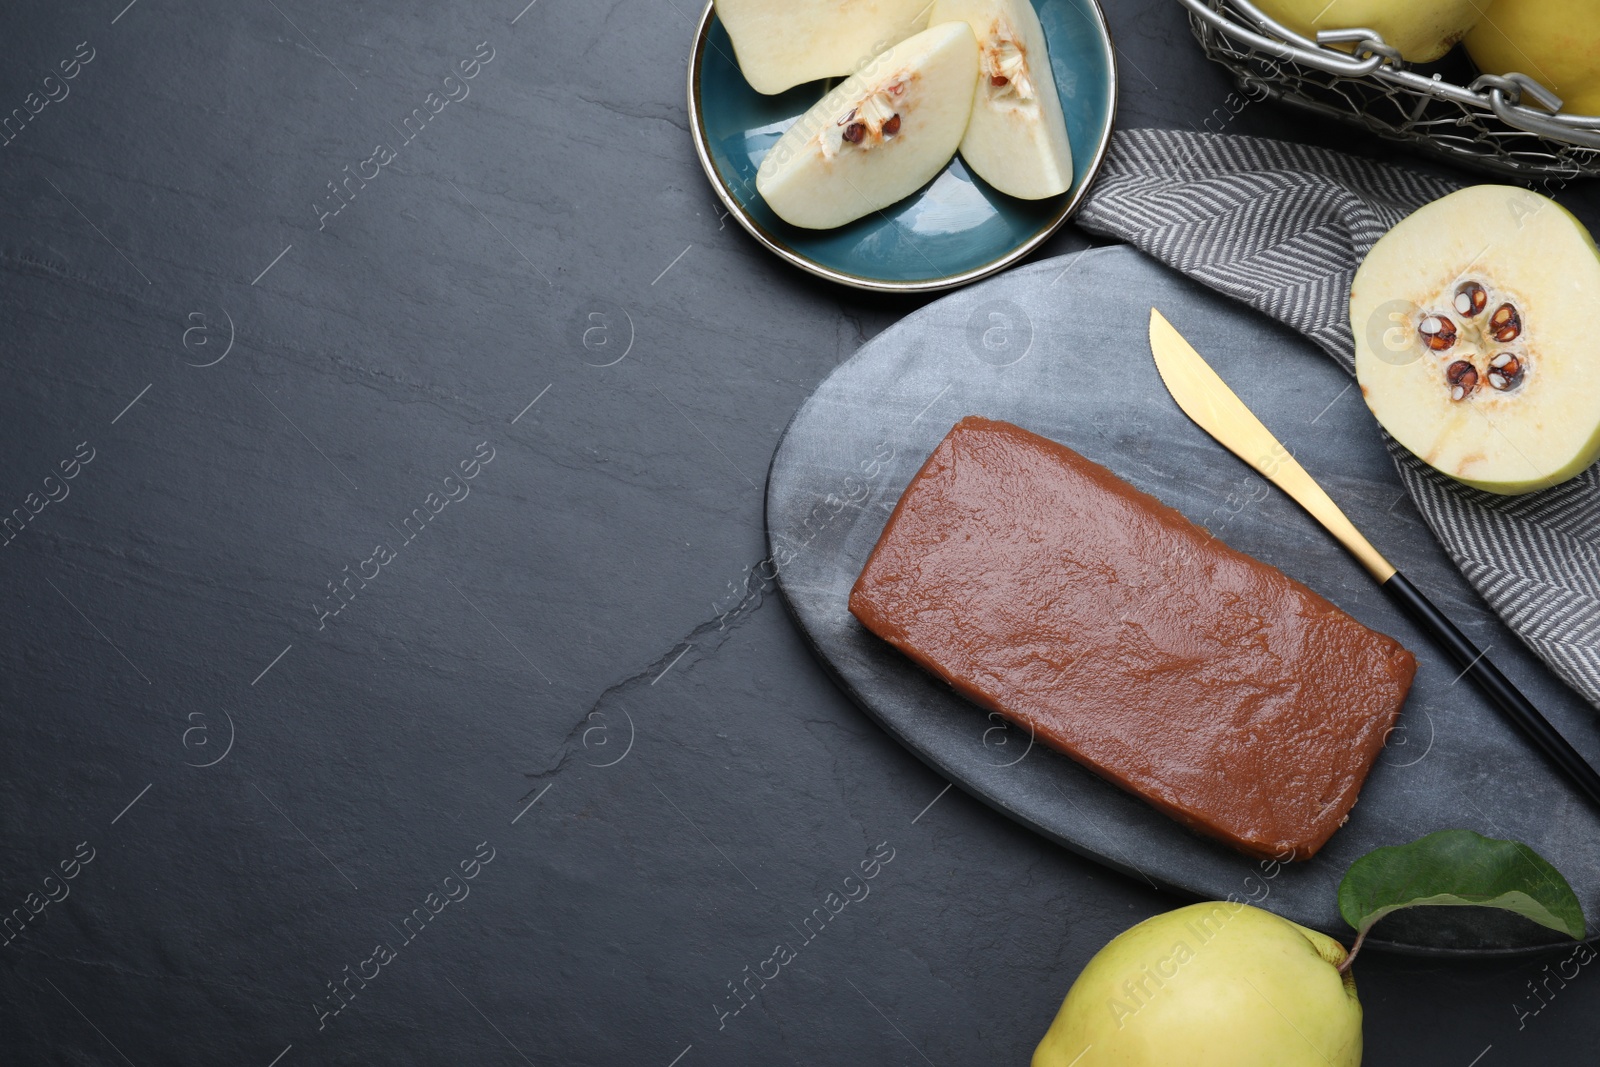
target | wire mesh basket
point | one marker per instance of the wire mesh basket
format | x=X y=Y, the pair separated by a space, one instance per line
x=1504 y=124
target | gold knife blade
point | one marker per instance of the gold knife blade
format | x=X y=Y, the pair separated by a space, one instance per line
x=1216 y=409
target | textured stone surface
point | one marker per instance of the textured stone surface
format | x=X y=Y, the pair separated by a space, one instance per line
x=168 y=604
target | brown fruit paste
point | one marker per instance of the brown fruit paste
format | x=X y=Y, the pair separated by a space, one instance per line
x=1213 y=686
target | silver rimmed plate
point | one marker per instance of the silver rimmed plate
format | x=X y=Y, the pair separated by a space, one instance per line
x=954 y=230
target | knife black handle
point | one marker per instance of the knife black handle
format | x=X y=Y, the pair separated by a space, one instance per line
x=1506 y=696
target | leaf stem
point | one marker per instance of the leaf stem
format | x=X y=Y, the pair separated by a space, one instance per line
x=1361 y=937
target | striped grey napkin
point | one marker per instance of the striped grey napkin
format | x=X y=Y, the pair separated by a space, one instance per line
x=1283 y=227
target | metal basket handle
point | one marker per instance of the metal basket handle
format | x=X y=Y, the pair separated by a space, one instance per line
x=1285 y=44
x=1373 y=57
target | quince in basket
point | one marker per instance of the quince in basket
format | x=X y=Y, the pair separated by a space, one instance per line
x=1423 y=30
x=1555 y=42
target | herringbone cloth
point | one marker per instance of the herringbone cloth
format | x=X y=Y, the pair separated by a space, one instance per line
x=1283 y=227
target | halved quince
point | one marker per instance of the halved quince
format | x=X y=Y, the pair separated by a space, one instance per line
x=1422 y=30
x=783 y=43
x=1475 y=322
x=1554 y=42
x=879 y=136
x=1017 y=138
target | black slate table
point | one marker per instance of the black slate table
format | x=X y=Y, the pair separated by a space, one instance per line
x=387 y=671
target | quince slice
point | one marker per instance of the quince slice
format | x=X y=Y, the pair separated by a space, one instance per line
x=1017 y=139
x=879 y=136
x=1475 y=322
x=783 y=43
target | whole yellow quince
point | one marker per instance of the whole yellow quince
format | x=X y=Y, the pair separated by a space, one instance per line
x=1554 y=42
x=1211 y=985
x=1423 y=30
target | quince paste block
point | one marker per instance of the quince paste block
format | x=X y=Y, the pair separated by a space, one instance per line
x=1218 y=689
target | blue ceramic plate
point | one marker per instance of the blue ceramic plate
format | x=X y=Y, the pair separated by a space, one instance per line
x=954 y=230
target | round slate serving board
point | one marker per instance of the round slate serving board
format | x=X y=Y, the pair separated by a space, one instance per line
x=1060 y=348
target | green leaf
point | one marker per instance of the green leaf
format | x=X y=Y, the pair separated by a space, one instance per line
x=1456 y=868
